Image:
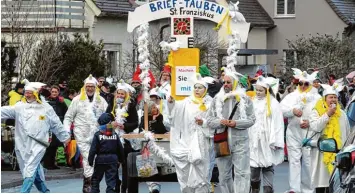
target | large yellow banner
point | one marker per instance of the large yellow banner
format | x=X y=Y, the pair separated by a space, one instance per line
x=185 y=64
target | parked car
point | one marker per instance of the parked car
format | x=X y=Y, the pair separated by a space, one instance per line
x=342 y=179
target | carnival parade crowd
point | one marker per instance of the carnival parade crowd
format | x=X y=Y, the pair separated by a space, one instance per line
x=246 y=126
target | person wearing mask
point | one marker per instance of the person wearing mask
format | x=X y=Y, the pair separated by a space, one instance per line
x=60 y=108
x=266 y=136
x=232 y=96
x=297 y=107
x=34 y=119
x=327 y=120
x=190 y=138
x=126 y=117
x=84 y=111
x=63 y=88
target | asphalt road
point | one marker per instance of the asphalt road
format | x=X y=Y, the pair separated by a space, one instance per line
x=75 y=185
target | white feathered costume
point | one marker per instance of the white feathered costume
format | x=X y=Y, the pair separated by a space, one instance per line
x=33 y=121
x=320 y=173
x=84 y=114
x=189 y=142
x=305 y=101
x=267 y=134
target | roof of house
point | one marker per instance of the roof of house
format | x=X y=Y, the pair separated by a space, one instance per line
x=255 y=13
x=251 y=9
x=345 y=9
x=114 y=7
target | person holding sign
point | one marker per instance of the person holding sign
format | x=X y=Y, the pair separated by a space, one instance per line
x=190 y=138
x=232 y=112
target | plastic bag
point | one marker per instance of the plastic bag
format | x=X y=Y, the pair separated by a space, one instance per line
x=146 y=166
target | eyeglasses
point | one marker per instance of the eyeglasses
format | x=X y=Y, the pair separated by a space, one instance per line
x=228 y=82
x=101 y=81
x=303 y=83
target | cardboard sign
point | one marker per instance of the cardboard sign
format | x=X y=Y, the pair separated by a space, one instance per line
x=186 y=63
x=184 y=83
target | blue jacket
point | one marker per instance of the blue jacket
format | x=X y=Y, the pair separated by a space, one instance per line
x=108 y=149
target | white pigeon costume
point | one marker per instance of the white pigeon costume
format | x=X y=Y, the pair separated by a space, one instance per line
x=84 y=114
x=322 y=124
x=33 y=122
x=189 y=142
x=238 y=137
x=266 y=136
x=300 y=175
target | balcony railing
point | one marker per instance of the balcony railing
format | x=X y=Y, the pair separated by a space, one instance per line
x=43 y=14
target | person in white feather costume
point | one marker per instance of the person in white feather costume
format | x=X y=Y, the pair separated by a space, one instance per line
x=190 y=138
x=326 y=121
x=84 y=111
x=232 y=94
x=297 y=107
x=34 y=119
x=266 y=136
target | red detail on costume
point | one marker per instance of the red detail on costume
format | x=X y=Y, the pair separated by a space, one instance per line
x=61 y=99
x=139 y=98
x=166 y=69
x=152 y=82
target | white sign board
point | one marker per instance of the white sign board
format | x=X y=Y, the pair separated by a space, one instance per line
x=184 y=80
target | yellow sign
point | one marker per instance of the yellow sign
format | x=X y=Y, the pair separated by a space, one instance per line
x=185 y=64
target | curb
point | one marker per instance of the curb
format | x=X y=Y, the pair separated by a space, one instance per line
x=16 y=183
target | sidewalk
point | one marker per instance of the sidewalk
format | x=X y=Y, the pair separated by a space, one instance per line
x=13 y=178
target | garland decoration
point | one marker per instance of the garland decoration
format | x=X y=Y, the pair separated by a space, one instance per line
x=143 y=58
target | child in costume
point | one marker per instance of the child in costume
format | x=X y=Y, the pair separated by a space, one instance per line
x=107 y=148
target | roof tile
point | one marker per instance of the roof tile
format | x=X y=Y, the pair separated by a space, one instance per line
x=345 y=9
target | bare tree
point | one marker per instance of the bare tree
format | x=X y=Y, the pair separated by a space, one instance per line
x=26 y=23
x=47 y=62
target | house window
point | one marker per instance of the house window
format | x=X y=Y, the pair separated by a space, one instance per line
x=113 y=55
x=285 y=8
